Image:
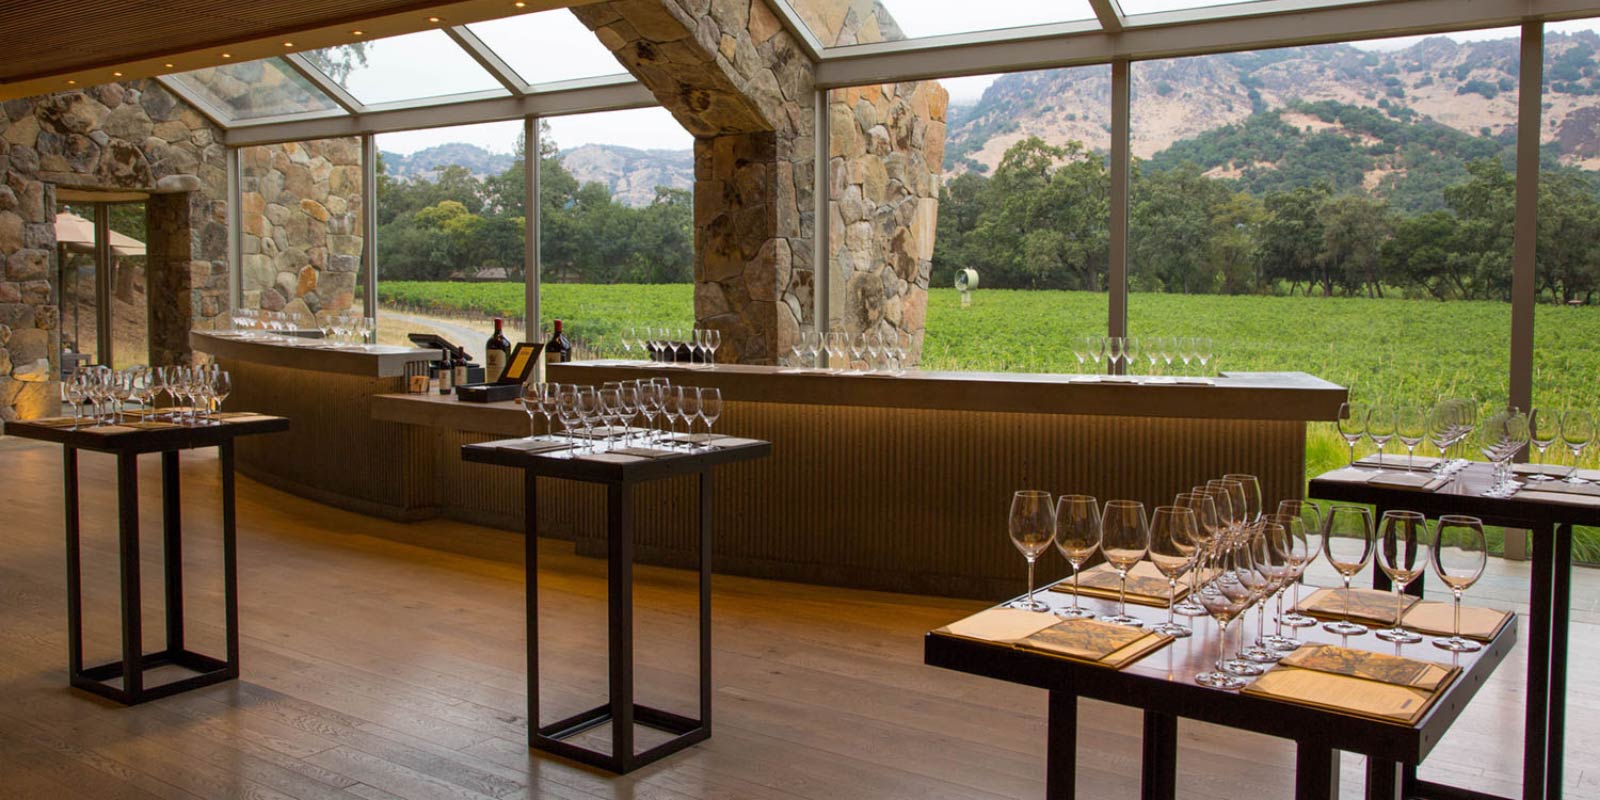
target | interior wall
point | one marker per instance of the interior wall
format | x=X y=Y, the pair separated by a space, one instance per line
x=300 y=214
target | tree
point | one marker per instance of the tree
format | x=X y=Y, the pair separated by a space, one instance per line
x=1291 y=238
x=1355 y=226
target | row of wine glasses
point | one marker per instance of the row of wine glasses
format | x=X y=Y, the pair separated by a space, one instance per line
x=1573 y=428
x=668 y=344
x=1445 y=425
x=1194 y=353
x=337 y=327
x=1405 y=546
x=199 y=390
x=860 y=353
x=615 y=405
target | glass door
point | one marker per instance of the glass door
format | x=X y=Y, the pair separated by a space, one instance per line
x=101 y=274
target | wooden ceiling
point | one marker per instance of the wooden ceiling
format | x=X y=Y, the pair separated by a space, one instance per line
x=54 y=44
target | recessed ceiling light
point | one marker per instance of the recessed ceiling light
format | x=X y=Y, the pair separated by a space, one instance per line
x=227 y=55
x=71 y=81
x=357 y=33
x=435 y=19
x=168 y=66
x=116 y=74
x=288 y=44
x=520 y=4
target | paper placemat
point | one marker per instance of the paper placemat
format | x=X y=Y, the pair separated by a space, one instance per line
x=645 y=452
x=55 y=422
x=1366 y=605
x=1401 y=705
x=1438 y=619
x=248 y=418
x=1397 y=461
x=1094 y=642
x=1562 y=487
x=1380 y=667
x=1553 y=470
x=107 y=430
x=1146 y=585
x=151 y=425
x=1003 y=625
x=1417 y=481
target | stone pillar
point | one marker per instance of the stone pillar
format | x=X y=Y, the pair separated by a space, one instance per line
x=169 y=277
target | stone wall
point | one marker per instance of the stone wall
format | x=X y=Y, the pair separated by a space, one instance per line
x=123 y=136
x=736 y=79
x=301 y=217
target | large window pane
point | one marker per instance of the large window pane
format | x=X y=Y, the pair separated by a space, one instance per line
x=1343 y=210
x=265 y=88
x=450 y=233
x=838 y=24
x=547 y=47
x=1024 y=203
x=411 y=67
x=617 y=226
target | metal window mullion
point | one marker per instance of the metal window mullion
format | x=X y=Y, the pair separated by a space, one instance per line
x=1121 y=183
x=1525 y=236
x=821 y=268
x=219 y=116
x=797 y=28
x=369 y=221
x=235 y=228
x=1109 y=13
x=488 y=59
x=531 y=266
x=325 y=84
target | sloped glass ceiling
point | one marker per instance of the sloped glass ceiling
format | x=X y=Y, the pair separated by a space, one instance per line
x=415 y=66
x=256 y=89
x=838 y=24
x=547 y=47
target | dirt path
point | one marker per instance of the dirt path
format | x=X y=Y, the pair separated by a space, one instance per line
x=399 y=323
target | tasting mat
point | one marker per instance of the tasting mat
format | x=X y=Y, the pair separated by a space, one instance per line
x=1356 y=682
x=1146 y=585
x=1371 y=606
x=1085 y=641
x=1393 y=461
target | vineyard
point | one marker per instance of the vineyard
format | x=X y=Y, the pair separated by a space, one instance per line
x=1401 y=351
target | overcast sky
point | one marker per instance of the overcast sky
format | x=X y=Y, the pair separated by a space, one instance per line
x=552 y=46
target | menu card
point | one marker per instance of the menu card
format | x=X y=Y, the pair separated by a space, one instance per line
x=1438 y=619
x=1367 y=605
x=1146 y=585
x=1398 y=461
x=1357 y=682
x=1084 y=640
x=527 y=445
x=1420 y=481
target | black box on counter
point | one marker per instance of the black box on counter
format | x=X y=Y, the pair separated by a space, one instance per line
x=488 y=392
x=509 y=386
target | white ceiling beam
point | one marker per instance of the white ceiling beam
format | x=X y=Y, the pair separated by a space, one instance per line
x=328 y=86
x=1109 y=12
x=488 y=59
x=1200 y=32
x=622 y=92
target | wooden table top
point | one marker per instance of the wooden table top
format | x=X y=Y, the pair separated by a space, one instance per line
x=1242 y=395
x=604 y=467
x=118 y=439
x=1164 y=682
x=1461 y=494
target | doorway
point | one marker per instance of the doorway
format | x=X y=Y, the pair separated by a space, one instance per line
x=101 y=266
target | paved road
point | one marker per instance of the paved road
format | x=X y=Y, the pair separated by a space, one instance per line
x=454 y=332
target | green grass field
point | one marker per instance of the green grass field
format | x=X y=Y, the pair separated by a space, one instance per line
x=1401 y=351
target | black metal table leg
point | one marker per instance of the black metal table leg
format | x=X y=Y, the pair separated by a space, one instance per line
x=1383 y=780
x=1061 y=754
x=619 y=561
x=1316 y=773
x=530 y=550
x=69 y=463
x=705 y=601
x=1536 y=722
x=1160 y=770
x=128 y=549
x=230 y=558
x=1560 y=607
x=172 y=548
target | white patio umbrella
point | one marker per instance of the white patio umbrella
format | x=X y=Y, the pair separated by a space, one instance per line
x=77 y=234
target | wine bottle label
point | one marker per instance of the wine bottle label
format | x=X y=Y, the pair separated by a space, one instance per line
x=494 y=365
x=461 y=376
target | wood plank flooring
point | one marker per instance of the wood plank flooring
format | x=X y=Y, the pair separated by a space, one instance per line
x=385 y=661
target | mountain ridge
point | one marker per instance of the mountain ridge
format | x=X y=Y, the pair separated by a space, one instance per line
x=630 y=173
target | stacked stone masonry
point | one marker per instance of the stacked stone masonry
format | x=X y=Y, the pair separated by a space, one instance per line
x=731 y=73
x=300 y=213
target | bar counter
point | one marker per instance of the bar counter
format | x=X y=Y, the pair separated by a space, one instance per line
x=898 y=483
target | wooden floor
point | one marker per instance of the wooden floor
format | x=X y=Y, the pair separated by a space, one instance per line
x=385 y=660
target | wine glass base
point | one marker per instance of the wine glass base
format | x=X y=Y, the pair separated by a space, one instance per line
x=1344 y=628
x=1173 y=629
x=1123 y=619
x=1221 y=680
x=1298 y=621
x=1074 y=613
x=1241 y=667
x=1539 y=477
x=1260 y=655
x=1028 y=605
x=1189 y=608
x=1397 y=635
x=1282 y=644
x=1456 y=644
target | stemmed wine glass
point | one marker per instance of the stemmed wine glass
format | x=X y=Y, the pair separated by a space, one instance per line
x=1202 y=352
x=589 y=409
x=1174 y=542
x=1577 y=430
x=650 y=397
x=1544 y=428
x=713 y=341
x=1305 y=544
x=671 y=412
x=628 y=408
x=1033 y=528
x=1271 y=568
x=1124 y=539
x=1114 y=354
x=1153 y=346
x=837 y=345
x=1410 y=427
x=1233 y=512
x=813 y=346
x=874 y=349
x=1402 y=541
x=1459 y=556
x=1077 y=537
x=221 y=387
x=1252 y=495
x=1225 y=598
x=710 y=409
x=1381 y=424
x=1352 y=422
x=1442 y=423
x=689 y=410
x=1208 y=525
x=1347 y=542
x=532 y=402
x=568 y=413
x=72 y=394
x=1095 y=348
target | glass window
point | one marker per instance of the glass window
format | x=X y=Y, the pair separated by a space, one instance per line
x=547 y=47
x=1343 y=210
x=410 y=67
x=616 y=226
x=837 y=24
x=1567 y=318
x=450 y=233
x=253 y=89
x=1023 y=203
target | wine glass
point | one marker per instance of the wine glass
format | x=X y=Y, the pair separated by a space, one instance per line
x=1459 y=555
x=689 y=410
x=1095 y=348
x=838 y=344
x=1577 y=430
x=1124 y=539
x=1189 y=351
x=710 y=408
x=1291 y=547
x=1305 y=544
x=650 y=397
x=610 y=409
x=628 y=408
x=713 y=341
x=1174 y=540
x=1225 y=598
x=1442 y=423
x=1033 y=528
x=1402 y=542
x=1347 y=543
x=1352 y=422
x=813 y=346
x=1080 y=352
x=1544 y=427
x=589 y=409
x=858 y=348
x=874 y=349
x=1202 y=352
x=1410 y=427
x=1131 y=349
x=1207 y=527
x=532 y=404
x=72 y=395
x=1251 y=488
x=671 y=412
x=1233 y=513
x=1114 y=355
x=1381 y=426
x=567 y=412
x=1152 y=347
x=221 y=387
x=1077 y=537
x=1269 y=556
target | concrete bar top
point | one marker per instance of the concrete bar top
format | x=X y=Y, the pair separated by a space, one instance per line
x=373 y=361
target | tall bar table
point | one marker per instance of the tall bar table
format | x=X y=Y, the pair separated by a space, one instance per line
x=619 y=473
x=127 y=443
x=1550 y=519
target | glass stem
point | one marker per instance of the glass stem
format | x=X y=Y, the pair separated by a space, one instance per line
x=1122 y=595
x=1030 y=584
x=1222 y=646
x=1352 y=452
x=1347 y=599
x=1277 y=628
x=1458 y=614
x=1075 y=606
x=1172 y=600
x=1399 y=603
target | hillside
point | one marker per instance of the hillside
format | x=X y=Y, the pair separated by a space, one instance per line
x=632 y=175
x=1469 y=87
